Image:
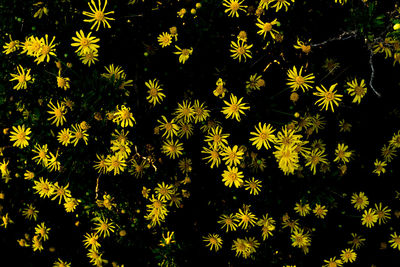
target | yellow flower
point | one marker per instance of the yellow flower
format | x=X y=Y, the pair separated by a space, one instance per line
x=333 y=262
x=214 y=241
x=240 y=49
x=78 y=133
x=369 y=218
x=164 y=191
x=62 y=82
x=234 y=108
x=220 y=90
x=124 y=117
x=348 y=255
x=342 y=154
x=32 y=46
x=173 y=149
x=60 y=263
x=91 y=241
x=253 y=185
x=357 y=90
x=383 y=213
x=388 y=152
x=320 y=211
x=395 y=241
x=300 y=239
x=46 y=50
x=164 y=39
x=316 y=157
x=217 y=138
x=213 y=155
x=170 y=127
x=287 y=158
x=85 y=44
x=101 y=165
x=241 y=247
x=156 y=95
x=184 y=111
x=64 y=137
x=115 y=163
x=296 y=80
x=233 y=6
x=20 y=136
x=280 y=4
x=30 y=212
x=103 y=226
x=58 y=113
x=89 y=58
x=232 y=156
x=42 y=231
x=168 y=239
x=360 y=201
x=227 y=222
x=262 y=136
x=342 y=2
x=43 y=188
x=42 y=10
x=328 y=97
x=61 y=192
x=244 y=217
x=183 y=53
x=266 y=27
x=21 y=77
x=98 y=15
x=11 y=46
x=379 y=167
x=70 y=204
x=301 y=209
x=232 y=176
x=305 y=48
x=53 y=164
x=201 y=112
x=255 y=82
x=41 y=156
x=357 y=241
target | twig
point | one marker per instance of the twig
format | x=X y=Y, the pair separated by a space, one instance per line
x=97 y=186
x=371 y=79
x=341 y=37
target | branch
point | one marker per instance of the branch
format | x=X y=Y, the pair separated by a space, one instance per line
x=343 y=36
x=371 y=79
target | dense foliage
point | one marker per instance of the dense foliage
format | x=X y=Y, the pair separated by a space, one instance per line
x=182 y=133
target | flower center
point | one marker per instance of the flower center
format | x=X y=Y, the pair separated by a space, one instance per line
x=58 y=113
x=359 y=91
x=234 y=108
x=241 y=50
x=185 y=52
x=235 y=6
x=232 y=176
x=299 y=80
x=99 y=16
x=168 y=126
x=84 y=42
x=329 y=96
x=267 y=27
x=45 y=49
x=21 y=78
x=153 y=92
x=21 y=136
x=157 y=204
x=125 y=114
